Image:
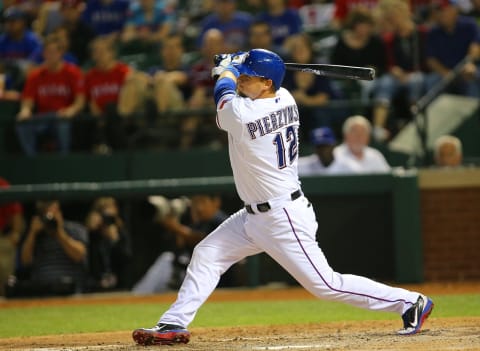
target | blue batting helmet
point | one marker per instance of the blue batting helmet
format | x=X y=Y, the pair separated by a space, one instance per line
x=263 y=63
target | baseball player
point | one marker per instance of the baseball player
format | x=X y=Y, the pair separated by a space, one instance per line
x=262 y=122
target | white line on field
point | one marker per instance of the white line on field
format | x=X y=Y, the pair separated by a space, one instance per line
x=78 y=348
x=291 y=347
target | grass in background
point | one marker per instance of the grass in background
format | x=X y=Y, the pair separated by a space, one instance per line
x=33 y=321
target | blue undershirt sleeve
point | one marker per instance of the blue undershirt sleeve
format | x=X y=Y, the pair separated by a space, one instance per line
x=223 y=87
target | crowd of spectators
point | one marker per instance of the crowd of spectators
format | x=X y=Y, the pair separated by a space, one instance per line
x=45 y=253
x=116 y=61
x=352 y=156
x=89 y=75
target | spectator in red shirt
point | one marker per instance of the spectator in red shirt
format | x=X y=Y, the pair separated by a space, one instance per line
x=202 y=87
x=104 y=83
x=213 y=43
x=11 y=227
x=53 y=95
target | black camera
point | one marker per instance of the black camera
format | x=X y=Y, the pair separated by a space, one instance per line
x=49 y=221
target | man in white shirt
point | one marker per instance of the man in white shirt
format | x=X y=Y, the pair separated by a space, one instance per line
x=321 y=160
x=354 y=156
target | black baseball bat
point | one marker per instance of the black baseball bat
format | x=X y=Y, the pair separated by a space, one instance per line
x=326 y=70
x=334 y=71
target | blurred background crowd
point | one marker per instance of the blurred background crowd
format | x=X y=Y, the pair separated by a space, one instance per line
x=105 y=76
x=118 y=73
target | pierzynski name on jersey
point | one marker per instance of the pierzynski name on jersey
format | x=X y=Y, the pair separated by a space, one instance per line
x=273 y=121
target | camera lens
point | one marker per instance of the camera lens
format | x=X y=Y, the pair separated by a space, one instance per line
x=49 y=221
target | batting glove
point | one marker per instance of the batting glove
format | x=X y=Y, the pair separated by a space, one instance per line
x=238 y=58
x=222 y=59
x=235 y=59
x=218 y=70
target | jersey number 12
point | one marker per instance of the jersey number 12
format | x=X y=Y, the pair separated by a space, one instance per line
x=285 y=143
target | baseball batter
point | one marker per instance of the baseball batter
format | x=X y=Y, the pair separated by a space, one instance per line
x=262 y=122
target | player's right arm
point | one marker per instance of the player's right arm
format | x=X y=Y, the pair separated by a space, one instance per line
x=225 y=84
x=223 y=93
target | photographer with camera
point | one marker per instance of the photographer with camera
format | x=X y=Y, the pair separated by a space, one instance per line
x=55 y=251
x=189 y=220
x=109 y=250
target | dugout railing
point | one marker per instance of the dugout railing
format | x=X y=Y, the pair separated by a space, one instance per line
x=368 y=225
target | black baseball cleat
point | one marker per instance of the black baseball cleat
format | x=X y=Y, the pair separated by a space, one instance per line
x=414 y=317
x=161 y=334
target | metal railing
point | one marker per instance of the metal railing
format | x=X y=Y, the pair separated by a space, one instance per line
x=419 y=110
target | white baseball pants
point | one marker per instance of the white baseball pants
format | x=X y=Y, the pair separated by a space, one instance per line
x=287 y=233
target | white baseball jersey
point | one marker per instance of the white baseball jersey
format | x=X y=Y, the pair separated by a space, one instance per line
x=263 y=144
x=346 y=162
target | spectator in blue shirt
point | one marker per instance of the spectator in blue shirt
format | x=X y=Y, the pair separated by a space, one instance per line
x=232 y=23
x=147 y=22
x=18 y=47
x=260 y=36
x=106 y=16
x=448 y=43
x=283 y=20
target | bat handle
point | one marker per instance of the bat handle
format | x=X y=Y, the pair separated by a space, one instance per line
x=217 y=59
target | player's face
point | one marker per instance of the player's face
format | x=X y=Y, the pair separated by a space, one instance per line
x=254 y=87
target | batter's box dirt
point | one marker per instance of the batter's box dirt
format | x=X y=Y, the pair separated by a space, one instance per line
x=440 y=334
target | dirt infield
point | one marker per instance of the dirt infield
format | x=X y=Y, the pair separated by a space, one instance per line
x=439 y=333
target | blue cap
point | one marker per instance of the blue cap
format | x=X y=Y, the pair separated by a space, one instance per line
x=323 y=136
